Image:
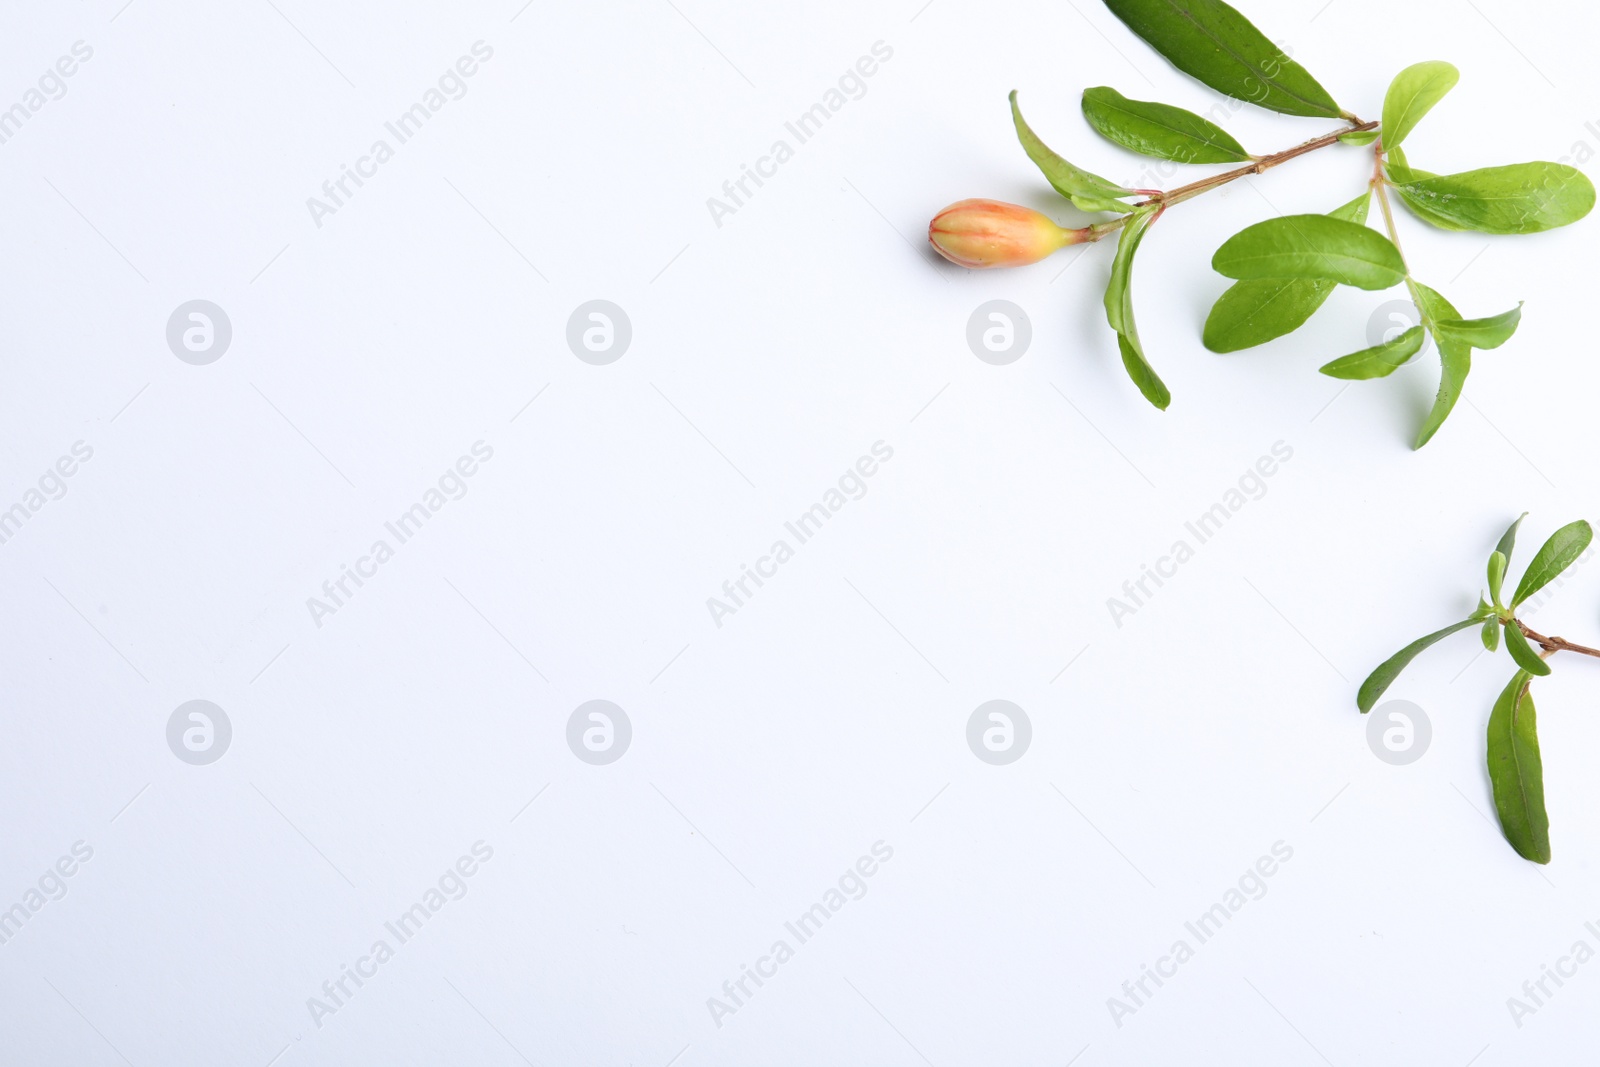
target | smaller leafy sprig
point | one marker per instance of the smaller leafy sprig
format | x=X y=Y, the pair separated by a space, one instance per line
x=1283 y=269
x=1516 y=772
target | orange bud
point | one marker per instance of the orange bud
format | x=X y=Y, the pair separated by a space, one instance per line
x=988 y=233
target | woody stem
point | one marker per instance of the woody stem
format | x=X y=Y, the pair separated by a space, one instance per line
x=1555 y=644
x=1260 y=166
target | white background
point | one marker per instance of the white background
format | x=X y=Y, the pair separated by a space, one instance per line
x=829 y=713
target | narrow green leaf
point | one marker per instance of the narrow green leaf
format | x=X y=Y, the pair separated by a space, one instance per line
x=1508 y=540
x=1255 y=312
x=1412 y=95
x=1521 y=198
x=1159 y=130
x=1522 y=652
x=1379 y=360
x=1390 y=669
x=1119 y=295
x=1491 y=634
x=1455 y=362
x=1491 y=332
x=1516 y=771
x=1553 y=557
x=1119 y=309
x=1359 y=138
x=1088 y=192
x=1142 y=373
x=1497 y=573
x=1213 y=43
x=1311 y=246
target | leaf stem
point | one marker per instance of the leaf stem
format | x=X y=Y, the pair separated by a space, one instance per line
x=1380 y=185
x=1261 y=165
x=1554 y=644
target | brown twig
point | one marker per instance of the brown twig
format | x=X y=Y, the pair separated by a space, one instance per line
x=1261 y=165
x=1555 y=644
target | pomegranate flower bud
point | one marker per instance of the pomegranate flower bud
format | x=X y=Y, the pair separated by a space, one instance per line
x=988 y=233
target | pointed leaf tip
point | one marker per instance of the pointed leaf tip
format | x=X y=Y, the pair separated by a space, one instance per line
x=1216 y=45
x=1387 y=671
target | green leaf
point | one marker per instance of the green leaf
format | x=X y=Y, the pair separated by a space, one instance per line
x=1491 y=634
x=1390 y=669
x=1255 y=312
x=1521 y=198
x=1088 y=192
x=1379 y=360
x=1508 y=540
x=1412 y=95
x=1481 y=333
x=1142 y=373
x=1424 y=210
x=1360 y=138
x=1159 y=130
x=1455 y=360
x=1213 y=43
x=1516 y=772
x=1119 y=309
x=1311 y=246
x=1522 y=652
x=1455 y=364
x=1497 y=573
x=1553 y=557
x=1119 y=297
